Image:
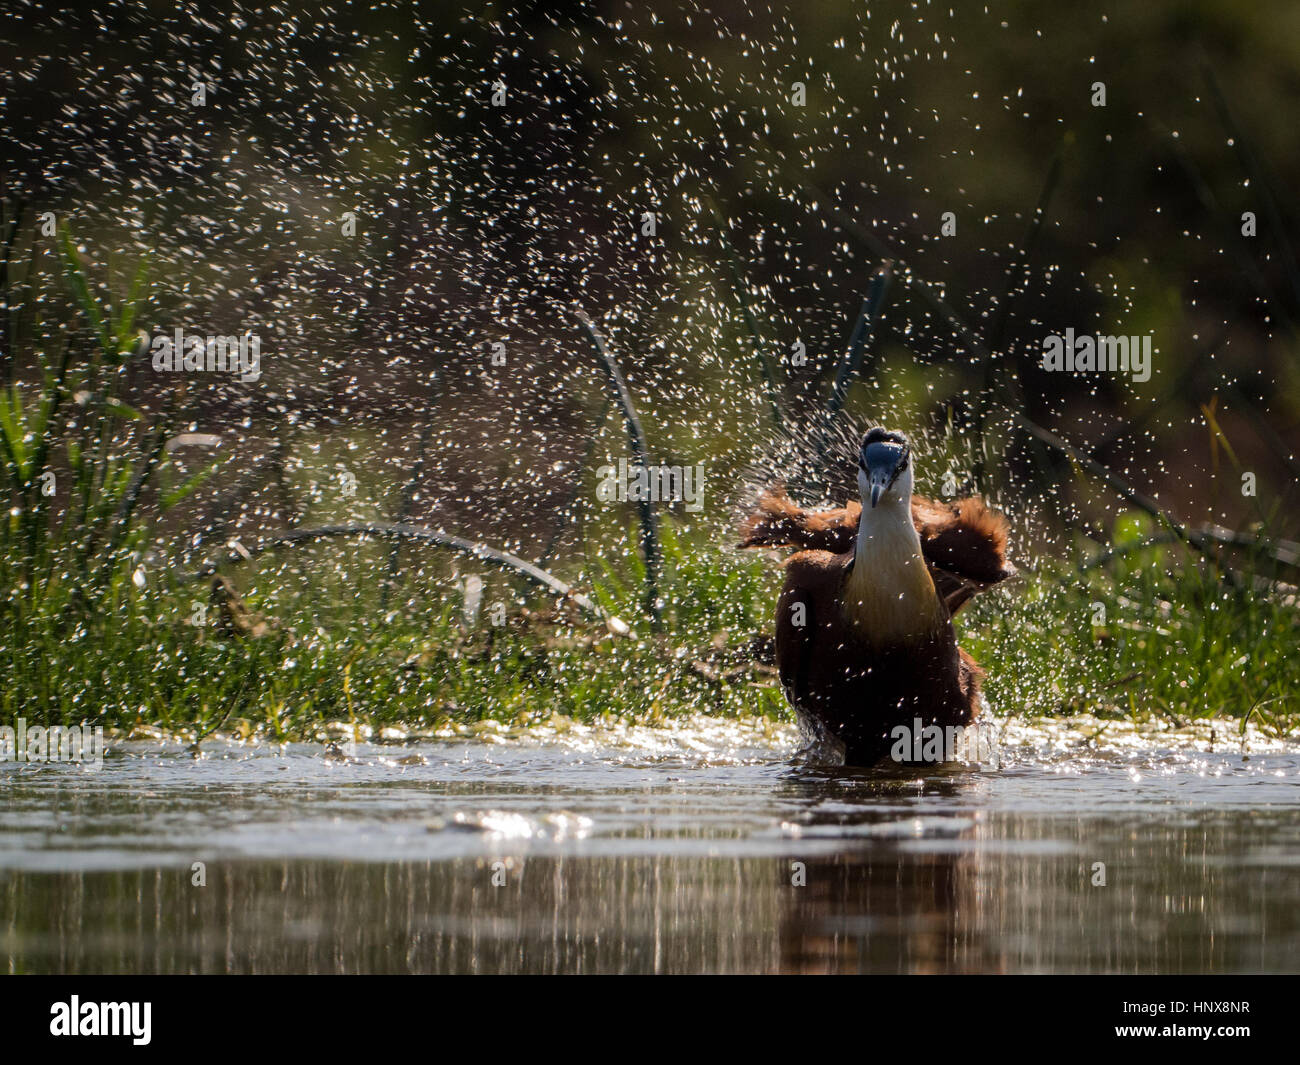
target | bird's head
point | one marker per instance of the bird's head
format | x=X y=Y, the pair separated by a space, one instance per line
x=885 y=469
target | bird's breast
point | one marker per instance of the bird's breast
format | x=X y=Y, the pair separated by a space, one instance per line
x=888 y=596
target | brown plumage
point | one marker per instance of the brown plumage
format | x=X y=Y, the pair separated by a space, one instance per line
x=964 y=542
x=864 y=635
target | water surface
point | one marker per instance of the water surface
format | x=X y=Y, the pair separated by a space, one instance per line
x=704 y=847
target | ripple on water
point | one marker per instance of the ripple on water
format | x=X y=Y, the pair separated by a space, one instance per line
x=698 y=785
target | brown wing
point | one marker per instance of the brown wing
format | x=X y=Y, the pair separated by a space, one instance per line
x=965 y=546
x=809 y=576
x=793 y=641
x=777 y=521
x=964 y=543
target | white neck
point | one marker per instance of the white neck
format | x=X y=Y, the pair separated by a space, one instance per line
x=884 y=522
x=889 y=596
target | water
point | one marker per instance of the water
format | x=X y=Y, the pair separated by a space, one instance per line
x=639 y=849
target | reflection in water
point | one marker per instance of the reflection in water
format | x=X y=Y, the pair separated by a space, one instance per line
x=534 y=860
x=994 y=901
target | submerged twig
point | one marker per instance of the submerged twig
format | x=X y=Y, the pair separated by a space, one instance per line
x=927 y=292
x=1285 y=553
x=1118 y=483
x=1204 y=539
x=881 y=250
x=430 y=536
x=636 y=440
x=851 y=363
x=565 y=510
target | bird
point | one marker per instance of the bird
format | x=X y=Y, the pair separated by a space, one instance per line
x=864 y=635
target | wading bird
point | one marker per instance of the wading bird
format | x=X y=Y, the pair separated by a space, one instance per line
x=864 y=636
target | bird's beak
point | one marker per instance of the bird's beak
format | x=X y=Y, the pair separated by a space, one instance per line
x=878 y=483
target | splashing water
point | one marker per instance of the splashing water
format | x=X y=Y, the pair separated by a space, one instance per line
x=411 y=212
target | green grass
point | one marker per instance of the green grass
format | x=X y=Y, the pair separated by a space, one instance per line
x=1177 y=643
x=339 y=658
x=89 y=632
x=1159 y=633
